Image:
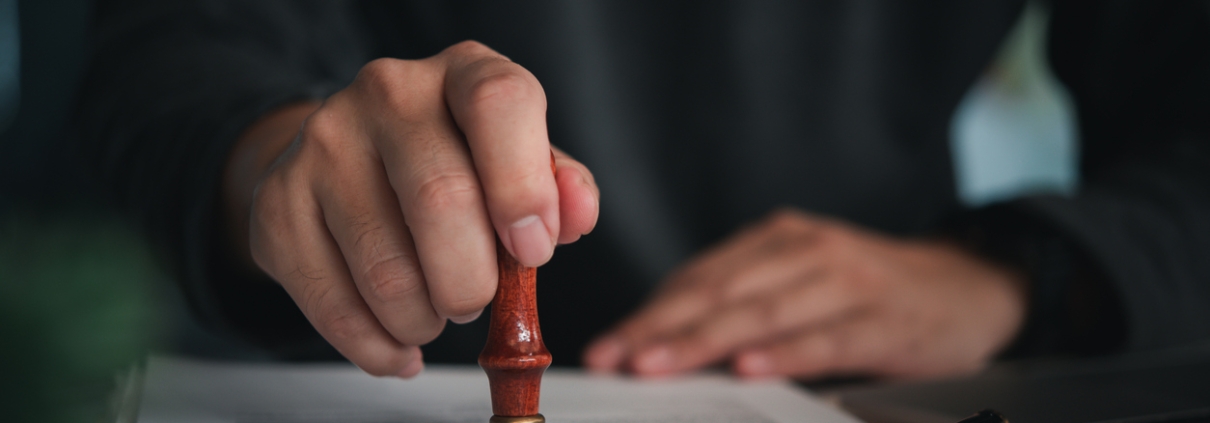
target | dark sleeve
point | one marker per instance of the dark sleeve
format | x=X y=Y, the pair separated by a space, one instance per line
x=1124 y=263
x=170 y=87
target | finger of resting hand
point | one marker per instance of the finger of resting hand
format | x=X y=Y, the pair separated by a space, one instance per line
x=610 y=351
x=311 y=269
x=769 y=269
x=676 y=309
x=717 y=263
x=430 y=169
x=368 y=226
x=759 y=258
x=579 y=198
x=747 y=323
x=501 y=108
x=691 y=293
x=860 y=345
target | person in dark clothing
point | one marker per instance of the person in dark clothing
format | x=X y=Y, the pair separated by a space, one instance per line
x=364 y=156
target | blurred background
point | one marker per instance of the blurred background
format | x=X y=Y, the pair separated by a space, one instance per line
x=82 y=296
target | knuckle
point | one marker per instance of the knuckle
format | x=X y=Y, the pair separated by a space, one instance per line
x=464 y=305
x=423 y=333
x=268 y=192
x=393 y=278
x=283 y=190
x=588 y=177
x=268 y=220
x=448 y=190
x=381 y=72
x=343 y=326
x=843 y=238
x=837 y=243
x=469 y=47
x=523 y=189
x=505 y=89
x=783 y=219
x=266 y=200
x=321 y=125
x=322 y=138
x=784 y=215
x=405 y=87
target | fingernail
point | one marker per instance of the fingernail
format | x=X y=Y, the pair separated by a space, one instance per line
x=655 y=360
x=596 y=201
x=604 y=355
x=531 y=241
x=414 y=368
x=754 y=364
x=467 y=318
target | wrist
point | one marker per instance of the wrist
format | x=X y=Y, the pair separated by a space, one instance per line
x=1002 y=292
x=254 y=152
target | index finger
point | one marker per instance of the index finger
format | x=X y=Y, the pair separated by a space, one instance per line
x=501 y=109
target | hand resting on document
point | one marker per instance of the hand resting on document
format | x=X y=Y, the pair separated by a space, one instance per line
x=803 y=296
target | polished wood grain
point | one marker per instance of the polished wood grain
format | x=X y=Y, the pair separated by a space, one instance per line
x=514 y=356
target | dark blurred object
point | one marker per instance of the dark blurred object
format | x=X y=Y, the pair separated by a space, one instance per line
x=1164 y=386
x=76 y=296
x=985 y=416
x=47 y=49
x=77 y=304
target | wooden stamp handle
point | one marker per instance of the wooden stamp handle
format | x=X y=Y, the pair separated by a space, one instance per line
x=514 y=356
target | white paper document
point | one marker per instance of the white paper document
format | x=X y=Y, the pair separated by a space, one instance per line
x=179 y=391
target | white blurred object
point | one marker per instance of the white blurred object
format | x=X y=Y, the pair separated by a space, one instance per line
x=1015 y=131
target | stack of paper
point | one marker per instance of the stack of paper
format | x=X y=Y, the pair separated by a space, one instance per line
x=179 y=390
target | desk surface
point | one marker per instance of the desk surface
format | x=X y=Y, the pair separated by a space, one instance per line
x=1163 y=386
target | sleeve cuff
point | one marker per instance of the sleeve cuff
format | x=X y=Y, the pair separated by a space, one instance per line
x=1073 y=308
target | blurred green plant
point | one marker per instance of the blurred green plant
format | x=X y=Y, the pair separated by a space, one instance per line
x=77 y=305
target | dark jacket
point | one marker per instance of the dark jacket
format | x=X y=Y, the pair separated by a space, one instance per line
x=697 y=117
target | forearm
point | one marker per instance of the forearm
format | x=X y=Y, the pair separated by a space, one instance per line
x=1072 y=306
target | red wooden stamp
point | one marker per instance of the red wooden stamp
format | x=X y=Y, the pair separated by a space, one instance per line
x=514 y=356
